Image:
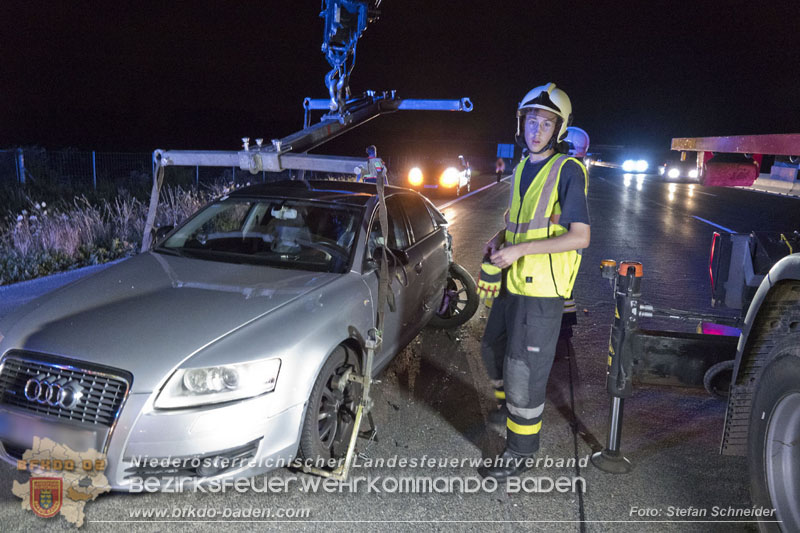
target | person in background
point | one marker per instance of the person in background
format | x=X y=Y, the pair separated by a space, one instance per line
x=499 y=168
x=375 y=167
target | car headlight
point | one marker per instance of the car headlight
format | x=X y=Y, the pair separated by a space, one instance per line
x=673 y=173
x=641 y=165
x=189 y=387
x=629 y=165
x=415 y=176
x=449 y=177
x=693 y=173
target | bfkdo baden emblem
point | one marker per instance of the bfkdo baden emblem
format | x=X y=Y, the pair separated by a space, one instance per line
x=46 y=496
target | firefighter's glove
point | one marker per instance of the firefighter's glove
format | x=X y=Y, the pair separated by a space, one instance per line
x=489 y=280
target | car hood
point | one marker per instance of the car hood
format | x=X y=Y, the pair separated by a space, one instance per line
x=149 y=313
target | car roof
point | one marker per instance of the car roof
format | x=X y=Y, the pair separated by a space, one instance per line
x=342 y=192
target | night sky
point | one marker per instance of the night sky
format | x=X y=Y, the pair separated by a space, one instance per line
x=134 y=76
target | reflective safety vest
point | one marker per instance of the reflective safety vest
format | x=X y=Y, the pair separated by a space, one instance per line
x=375 y=168
x=535 y=217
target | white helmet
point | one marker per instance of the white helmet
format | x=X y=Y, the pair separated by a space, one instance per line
x=549 y=98
x=578 y=142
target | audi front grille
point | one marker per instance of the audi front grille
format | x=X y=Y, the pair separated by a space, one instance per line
x=61 y=388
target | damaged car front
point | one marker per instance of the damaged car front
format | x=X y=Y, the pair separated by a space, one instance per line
x=198 y=358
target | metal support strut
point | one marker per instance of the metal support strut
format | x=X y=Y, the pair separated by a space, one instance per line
x=627 y=292
x=372 y=345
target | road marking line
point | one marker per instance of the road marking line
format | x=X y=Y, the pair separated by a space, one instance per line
x=723 y=228
x=451 y=202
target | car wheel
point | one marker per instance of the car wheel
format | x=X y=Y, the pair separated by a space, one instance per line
x=774 y=438
x=460 y=299
x=331 y=410
x=717 y=379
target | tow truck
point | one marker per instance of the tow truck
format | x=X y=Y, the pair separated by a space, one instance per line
x=758 y=371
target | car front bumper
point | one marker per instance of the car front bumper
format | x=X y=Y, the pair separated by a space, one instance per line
x=150 y=443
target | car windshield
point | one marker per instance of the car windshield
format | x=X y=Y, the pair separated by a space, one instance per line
x=294 y=234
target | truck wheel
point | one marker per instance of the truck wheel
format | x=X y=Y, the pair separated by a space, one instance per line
x=459 y=301
x=717 y=379
x=774 y=443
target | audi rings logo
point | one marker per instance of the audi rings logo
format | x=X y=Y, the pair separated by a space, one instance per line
x=53 y=391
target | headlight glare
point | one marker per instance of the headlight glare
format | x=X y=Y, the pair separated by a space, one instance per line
x=415 y=176
x=189 y=387
x=449 y=177
x=673 y=173
x=629 y=165
x=693 y=173
x=641 y=165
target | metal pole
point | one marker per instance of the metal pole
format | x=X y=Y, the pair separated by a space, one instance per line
x=615 y=423
x=21 y=165
x=94 y=170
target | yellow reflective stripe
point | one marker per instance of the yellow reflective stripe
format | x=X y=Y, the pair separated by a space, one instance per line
x=519 y=429
x=500 y=394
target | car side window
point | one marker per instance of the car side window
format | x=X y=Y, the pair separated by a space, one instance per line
x=418 y=216
x=397 y=234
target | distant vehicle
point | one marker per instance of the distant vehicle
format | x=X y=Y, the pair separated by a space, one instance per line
x=231 y=341
x=679 y=171
x=638 y=166
x=451 y=176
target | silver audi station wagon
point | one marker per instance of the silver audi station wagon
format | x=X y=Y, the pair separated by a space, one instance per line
x=225 y=340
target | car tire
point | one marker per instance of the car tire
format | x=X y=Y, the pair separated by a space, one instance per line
x=460 y=300
x=717 y=379
x=330 y=414
x=774 y=438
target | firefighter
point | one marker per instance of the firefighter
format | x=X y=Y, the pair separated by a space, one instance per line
x=375 y=166
x=577 y=142
x=578 y=146
x=531 y=269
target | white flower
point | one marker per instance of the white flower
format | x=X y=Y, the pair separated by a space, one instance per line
x=32 y=218
x=44 y=204
x=37 y=206
x=25 y=212
x=19 y=218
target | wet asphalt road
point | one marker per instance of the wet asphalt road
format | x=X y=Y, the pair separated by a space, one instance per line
x=432 y=401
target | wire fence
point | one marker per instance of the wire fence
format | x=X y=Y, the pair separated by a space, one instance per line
x=28 y=174
x=103 y=170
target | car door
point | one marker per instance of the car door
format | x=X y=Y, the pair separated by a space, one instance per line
x=395 y=328
x=427 y=261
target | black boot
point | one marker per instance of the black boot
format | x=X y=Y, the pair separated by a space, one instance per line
x=507 y=465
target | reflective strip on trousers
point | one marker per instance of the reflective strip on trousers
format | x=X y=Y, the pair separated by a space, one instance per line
x=527 y=429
